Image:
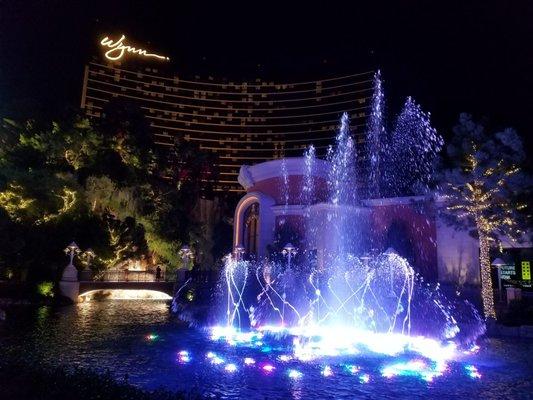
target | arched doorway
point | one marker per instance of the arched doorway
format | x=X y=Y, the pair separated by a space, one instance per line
x=251 y=230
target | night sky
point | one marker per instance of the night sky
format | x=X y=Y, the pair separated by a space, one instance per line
x=452 y=57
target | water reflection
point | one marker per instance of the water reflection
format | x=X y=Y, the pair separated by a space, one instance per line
x=139 y=338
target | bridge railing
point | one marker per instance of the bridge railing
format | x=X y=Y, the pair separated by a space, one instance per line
x=135 y=276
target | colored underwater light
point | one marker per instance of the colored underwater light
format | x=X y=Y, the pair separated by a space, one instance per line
x=327 y=371
x=364 y=378
x=249 y=361
x=183 y=356
x=312 y=342
x=284 y=358
x=472 y=372
x=216 y=360
x=352 y=369
x=230 y=368
x=152 y=336
x=417 y=368
x=268 y=368
x=294 y=374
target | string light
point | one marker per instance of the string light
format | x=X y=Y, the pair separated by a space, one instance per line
x=478 y=194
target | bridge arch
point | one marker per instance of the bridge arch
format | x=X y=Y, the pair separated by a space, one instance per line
x=122 y=294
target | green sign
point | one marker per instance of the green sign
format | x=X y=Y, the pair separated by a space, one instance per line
x=526 y=270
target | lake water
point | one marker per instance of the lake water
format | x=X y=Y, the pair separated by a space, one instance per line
x=138 y=339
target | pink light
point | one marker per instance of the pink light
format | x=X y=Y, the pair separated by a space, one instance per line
x=268 y=368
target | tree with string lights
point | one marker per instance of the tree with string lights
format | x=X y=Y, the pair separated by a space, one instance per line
x=486 y=191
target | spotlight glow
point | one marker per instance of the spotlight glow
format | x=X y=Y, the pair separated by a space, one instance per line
x=230 y=368
x=183 y=356
x=294 y=374
x=268 y=368
x=472 y=372
x=352 y=369
x=216 y=360
x=249 y=361
x=327 y=371
x=312 y=342
x=417 y=368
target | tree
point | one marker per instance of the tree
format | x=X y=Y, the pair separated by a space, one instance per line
x=56 y=178
x=485 y=187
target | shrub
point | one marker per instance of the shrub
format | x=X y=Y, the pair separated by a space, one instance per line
x=45 y=289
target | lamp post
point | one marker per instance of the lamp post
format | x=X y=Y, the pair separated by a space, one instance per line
x=498 y=263
x=69 y=285
x=238 y=252
x=71 y=250
x=89 y=255
x=289 y=251
x=71 y=273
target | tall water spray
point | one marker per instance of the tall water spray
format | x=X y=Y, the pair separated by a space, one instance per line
x=350 y=299
x=376 y=138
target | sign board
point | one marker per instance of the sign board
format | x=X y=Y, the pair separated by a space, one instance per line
x=507 y=272
x=526 y=270
x=117 y=50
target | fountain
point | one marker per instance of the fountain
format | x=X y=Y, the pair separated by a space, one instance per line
x=331 y=294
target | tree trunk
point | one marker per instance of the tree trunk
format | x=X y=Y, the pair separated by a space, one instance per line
x=487 y=292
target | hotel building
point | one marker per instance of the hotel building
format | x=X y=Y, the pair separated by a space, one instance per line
x=240 y=122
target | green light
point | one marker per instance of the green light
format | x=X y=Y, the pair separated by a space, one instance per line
x=526 y=270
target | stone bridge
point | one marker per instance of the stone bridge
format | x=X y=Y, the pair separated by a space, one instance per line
x=162 y=288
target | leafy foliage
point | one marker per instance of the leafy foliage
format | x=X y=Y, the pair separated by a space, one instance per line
x=106 y=186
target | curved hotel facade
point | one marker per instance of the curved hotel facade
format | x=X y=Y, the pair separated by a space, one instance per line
x=241 y=122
